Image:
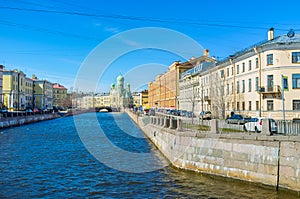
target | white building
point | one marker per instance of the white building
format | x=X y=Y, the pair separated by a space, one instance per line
x=120 y=97
x=253 y=81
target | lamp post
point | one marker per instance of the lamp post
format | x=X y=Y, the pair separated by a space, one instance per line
x=283 y=106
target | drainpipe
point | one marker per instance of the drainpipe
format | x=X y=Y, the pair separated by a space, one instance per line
x=234 y=83
x=259 y=79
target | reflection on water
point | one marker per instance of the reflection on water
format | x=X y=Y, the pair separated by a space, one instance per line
x=48 y=160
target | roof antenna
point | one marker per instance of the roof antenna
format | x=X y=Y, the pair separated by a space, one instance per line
x=291 y=33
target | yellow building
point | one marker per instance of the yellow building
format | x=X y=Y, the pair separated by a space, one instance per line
x=164 y=90
x=14 y=85
x=29 y=92
x=59 y=95
x=43 y=94
x=102 y=100
x=140 y=99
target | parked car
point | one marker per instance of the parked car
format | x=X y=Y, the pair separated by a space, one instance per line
x=28 y=110
x=151 y=112
x=189 y=114
x=206 y=115
x=183 y=112
x=296 y=120
x=255 y=124
x=3 y=110
x=237 y=119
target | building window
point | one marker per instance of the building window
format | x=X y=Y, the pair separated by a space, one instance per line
x=238 y=106
x=296 y=80
x=227 y=72
x=231 y=70
x=250 y=65
x=237 y=87
x=296 y=105
x=243 y=86
x=256 y=84
x=232 y=105
x=257 y=105
x=250 y=106
x=256 y=62
x=270 y=105
x=232 y=88
x=269 y=59
x=243 y=106
x=227 y=91
x=237 y=69
x=249 y=85
x=243 y=67
x=222 y=74
x=295 y=57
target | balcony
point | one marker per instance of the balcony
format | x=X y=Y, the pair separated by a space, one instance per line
x=270 y=89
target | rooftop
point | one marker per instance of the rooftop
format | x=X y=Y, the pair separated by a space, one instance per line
x=283 y=39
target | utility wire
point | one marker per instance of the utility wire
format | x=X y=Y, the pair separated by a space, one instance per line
x=132 y=18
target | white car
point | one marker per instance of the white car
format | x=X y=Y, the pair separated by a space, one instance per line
x=255 y=124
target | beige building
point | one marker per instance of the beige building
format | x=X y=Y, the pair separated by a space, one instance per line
x=43 y=94
x=102 y=100
x=59 y=95
x=29 y=93
x=253 y=81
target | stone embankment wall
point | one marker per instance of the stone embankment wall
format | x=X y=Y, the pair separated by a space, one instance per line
x=270 y=160
x=17 y=121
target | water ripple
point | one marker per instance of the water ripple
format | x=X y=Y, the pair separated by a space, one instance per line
x=48 y=160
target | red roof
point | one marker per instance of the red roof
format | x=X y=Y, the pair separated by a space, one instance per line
x=58 y=86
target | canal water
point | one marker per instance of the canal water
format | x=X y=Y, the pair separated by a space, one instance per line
x=49 y=160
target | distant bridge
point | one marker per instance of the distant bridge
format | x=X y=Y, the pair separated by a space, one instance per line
x=108 y=108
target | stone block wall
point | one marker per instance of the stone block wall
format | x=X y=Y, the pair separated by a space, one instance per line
x=270 y=160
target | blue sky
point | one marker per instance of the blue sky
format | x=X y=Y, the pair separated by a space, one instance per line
x=52 y=38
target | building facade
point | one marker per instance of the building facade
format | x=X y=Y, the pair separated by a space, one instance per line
x=140 y=99
x=163 y=91
x=262 y=80
x=102 y=100
x=193 y=87
x=14 y=86
x=1 y=86
x=59 y=95
x=43 y=94
x=29 y=95
x=120 y=97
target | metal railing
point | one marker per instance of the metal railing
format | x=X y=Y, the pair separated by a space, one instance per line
x=291 y=128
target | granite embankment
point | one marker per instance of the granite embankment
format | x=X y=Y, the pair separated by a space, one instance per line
x=6 y=122
x=270 y=160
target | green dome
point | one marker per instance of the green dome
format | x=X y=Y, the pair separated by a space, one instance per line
x=120 y=78
x=112 y=85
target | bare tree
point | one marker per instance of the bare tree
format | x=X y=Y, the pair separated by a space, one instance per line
x=218 y=95
x=189 y=94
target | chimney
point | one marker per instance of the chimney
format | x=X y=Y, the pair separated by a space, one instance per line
x=206 y=52
x=271 y=34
